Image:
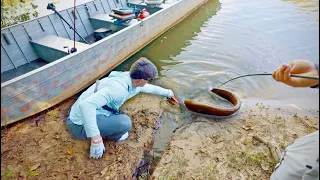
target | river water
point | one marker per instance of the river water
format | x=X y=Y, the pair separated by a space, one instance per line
x=227 y=38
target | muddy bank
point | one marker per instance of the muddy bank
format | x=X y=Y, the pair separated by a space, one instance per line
x=42 y=148
x=229 y=148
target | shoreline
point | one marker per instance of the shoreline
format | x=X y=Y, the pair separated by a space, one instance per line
x=49 y=151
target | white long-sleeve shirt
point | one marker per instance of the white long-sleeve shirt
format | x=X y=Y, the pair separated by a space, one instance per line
x=112 y=91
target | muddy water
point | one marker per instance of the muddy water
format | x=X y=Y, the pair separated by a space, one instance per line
x=227 y=38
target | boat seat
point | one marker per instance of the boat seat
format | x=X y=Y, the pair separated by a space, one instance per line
x=123 y=17
x=153 y=2
x=51 y=48
x=102 y=17
x=114 y=22
x=123 y=11
x=103 y=21
x=151 y=6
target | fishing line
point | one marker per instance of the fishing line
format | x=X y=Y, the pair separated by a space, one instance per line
x=268 y=74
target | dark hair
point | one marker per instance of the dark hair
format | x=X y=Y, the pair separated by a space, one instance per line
x=143 y=69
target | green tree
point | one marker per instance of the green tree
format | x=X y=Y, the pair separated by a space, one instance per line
x=13 y=12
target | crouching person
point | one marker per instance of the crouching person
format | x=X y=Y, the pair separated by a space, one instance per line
x=95 y=114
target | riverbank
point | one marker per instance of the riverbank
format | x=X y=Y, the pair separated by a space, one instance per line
x=235 y=148
x=42 y=148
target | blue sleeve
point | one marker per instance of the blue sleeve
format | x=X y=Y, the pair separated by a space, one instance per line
x=152 y=89
x=111 y=96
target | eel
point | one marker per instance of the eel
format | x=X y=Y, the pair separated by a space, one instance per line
x=214 y=110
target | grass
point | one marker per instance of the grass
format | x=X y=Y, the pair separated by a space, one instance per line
x=209 y=171
x=7 y=174
x=53 y=114
x=32 y=174
x=166 y=177
x=177 y=170
x=283 y=145
x=252 y=157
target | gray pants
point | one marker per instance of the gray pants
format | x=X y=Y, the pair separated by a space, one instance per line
x=111 y=127
x=300 y=161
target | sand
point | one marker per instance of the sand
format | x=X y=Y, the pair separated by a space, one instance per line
x=47 y=151
x=203 y=148
x=228 y=148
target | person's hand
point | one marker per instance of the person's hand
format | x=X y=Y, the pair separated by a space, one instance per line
x=301 y=67
x=97 y=149
x=171 y=96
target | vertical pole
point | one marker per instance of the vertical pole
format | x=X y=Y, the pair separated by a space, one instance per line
x=74 y=25
x=74 y=49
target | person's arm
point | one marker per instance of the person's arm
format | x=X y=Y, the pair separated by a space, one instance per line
x=153 y=89
x=301 y=67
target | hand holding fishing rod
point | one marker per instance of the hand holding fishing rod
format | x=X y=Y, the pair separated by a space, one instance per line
x=298 y=73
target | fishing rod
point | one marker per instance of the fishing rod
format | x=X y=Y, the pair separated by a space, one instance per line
x=53 y=8
x=74 y=49
x=268 y=74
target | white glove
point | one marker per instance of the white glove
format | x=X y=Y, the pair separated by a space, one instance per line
x=170 y=93
x=96 y=150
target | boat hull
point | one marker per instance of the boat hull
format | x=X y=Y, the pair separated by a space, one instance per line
x=49 y=85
